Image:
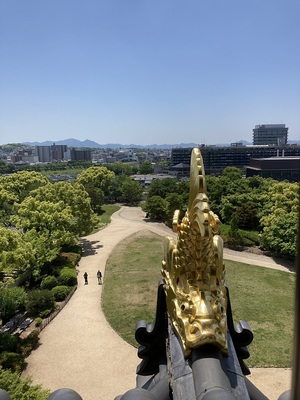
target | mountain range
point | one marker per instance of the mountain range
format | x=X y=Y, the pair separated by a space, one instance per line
x=91 y=144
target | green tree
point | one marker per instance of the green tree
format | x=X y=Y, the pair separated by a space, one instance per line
x=131 y=191
x=162 y=187
x=97 y=182
x=21 y=389
x=12 y=301
x=7 y=201
x=15 y=254
x=146 y=167
x=121 y=168
x=280 y=232
x=156 y=207
x=6 y=168
x=115 y=192
x=280 y=217
x=53 y=216
x=60 y=206
x=174 y=201
x=232 y=173
x=40 y=303
x=22 y=183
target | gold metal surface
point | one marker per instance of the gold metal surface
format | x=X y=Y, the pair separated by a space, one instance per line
x=193 y=270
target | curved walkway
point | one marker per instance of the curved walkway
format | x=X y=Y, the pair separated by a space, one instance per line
x=79 y=350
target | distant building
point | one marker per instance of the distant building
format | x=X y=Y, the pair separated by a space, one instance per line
x=80 y=155
x=51 y=153
x=58 y=151
x=44 y=153
x=279 y=168
x=216 y=159
x=146 y=179
x=270 y=134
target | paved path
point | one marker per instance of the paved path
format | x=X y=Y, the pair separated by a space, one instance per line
x=78 y=349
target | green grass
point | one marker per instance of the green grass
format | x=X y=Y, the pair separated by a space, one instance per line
x=107 y=211
x=261 y=296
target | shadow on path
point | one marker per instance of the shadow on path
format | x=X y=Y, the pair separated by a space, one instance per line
x=89 y=247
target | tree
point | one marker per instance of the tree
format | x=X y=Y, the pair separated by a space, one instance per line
x=21 y=389
x=280 y=217
x=174 y=201
x=156 y=207
x=22 y=183
x=131 y=191
x=97 y=182
x=7 y=201
x=232 y=173
x=59 y=206
x=6 y=168
x=15 y=254
x=12 y=301
x=146 y=167
x=280 y=232
x=121 y=168
x=40 y=302
x=51 y=217
x=162 y=187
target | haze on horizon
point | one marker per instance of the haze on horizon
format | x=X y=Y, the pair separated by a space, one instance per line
x=146 y=72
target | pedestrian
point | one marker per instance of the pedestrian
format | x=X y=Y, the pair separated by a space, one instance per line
x=99 y=276
x=85 y=275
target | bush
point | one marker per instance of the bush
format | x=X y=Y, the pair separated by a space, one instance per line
x=68 y=277
x=12 y=361
x=60 y=292
x=12 y=301
x=29 y=343
x=40 y=301
x=49 y=282
x=71 y=258
x=8 y=342
x=38 y=321
x=21 y=389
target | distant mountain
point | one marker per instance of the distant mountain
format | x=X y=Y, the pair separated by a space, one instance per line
x=68 y=142
x=91 y=144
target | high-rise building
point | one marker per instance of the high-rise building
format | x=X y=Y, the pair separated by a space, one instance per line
x=80 y=155
x=44 y=153
x=270 y=134
x=58 y=151
x=51 y=153
x=216 y=158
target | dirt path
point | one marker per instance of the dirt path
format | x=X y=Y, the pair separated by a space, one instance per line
x=79 y=349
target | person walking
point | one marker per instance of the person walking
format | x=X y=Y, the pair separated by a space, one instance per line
x=99 y=276
x=85 y=275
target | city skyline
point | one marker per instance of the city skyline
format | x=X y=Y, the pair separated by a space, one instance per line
x=147 y=73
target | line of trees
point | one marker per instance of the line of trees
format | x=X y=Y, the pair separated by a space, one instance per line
x=265 y=206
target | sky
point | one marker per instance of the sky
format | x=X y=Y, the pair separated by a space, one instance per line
x=148 y=71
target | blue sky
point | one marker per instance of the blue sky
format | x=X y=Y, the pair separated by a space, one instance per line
x=148 y=71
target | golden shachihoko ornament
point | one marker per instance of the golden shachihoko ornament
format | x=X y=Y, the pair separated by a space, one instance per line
x=193 y=270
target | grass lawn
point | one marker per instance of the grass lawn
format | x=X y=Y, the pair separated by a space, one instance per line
x=261 y=296
x=107 y=211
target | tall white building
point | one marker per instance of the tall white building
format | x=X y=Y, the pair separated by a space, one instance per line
x=273 y=134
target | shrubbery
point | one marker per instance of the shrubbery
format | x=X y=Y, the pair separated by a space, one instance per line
x=68 y=277
x=60 y=292
x=11 y=360
x=38 y=321
x=20 y=389
x=12 y=301
x=40 y=302
x=29 y=343
x=49 y=282
x=8 y=342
